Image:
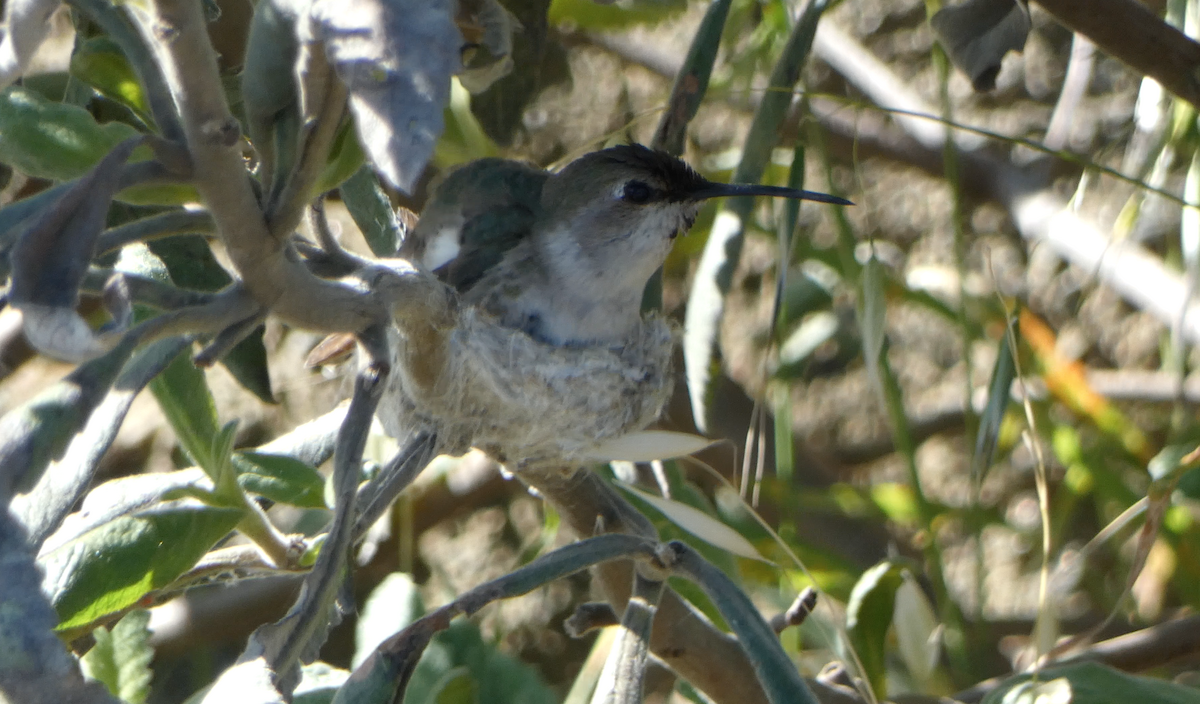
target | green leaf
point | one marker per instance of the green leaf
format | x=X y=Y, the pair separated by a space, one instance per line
x=100 y=63
x=247 y=362
x=345 y=159
x=113 y=566
x=1093 y=683
x=51 y=140
x=186 y=401
x=455 y=687
x=121 y=658
x=282 y=479
x=587 y=14
x=869 y=615
x=372 y=211
x=999 y=392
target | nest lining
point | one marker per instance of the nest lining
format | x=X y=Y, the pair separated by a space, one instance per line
x=523 y=401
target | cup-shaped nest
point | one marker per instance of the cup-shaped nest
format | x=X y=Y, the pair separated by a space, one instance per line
x=479 y=384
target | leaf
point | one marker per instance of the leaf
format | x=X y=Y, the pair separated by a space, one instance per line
x=51 y=258
x=247 y=362
x=589 y=14
x=100 y=63
x=691 y=83
x=714 y=274
x=26 y=22
x=372 y=212
x=1093 y=683
x=248 y=682
x=393 y=605
x=868 y=617
x=699 y=524
x=456 y=687
x=647 y=445
x=50 y=140
x=917 y=630
x=113 y=566
x=396 y=59
x=978 y=33
x=873 y=319
x=121 y=657
x=999 y=393
x=282 y=479
x=182 y=393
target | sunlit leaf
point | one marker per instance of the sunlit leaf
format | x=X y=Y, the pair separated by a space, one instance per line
x=113 y=566
x=393 y=604
x=648 y=445
x=1091 y=683
x=918 y=632
x=186 y=401
x=699 y=524
x=100 y=63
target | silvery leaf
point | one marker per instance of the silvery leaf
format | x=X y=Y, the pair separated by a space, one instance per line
x=396 y=58
x=26 y=24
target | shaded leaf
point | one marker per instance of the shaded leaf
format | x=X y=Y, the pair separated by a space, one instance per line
x=50 y=140
x=487 y=28
x=1093 y=683
x=396 y=60
x=999 y=393
x=247 y=362
x=281 y=479
x=647 y=445
x=37 y=432
x=691 y=83
x=978 y=33
x=121 y=657
x=51 y=258
x=26 y=24
x=372 y=212
x=113 y=566
x=873 y=313
x=868 y=617
x=699 y=524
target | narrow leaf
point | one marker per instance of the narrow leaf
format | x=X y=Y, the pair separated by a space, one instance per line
x=1090 y=683
x=372 y=212
x=872 y=320
x=699 y=524
x=999 y=393
x=648 y=445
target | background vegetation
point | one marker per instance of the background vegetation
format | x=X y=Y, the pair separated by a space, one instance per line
x=963 y=411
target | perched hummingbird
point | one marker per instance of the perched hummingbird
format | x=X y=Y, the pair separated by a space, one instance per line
x=565 y=256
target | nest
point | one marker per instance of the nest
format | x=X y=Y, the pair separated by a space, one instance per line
x=525 y=402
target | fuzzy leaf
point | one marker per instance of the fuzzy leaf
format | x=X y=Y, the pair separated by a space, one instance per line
x=121 y=657
x=396 y=59
x=281 y=479
x=186 y=401
x=115 y=565
x=699 y=524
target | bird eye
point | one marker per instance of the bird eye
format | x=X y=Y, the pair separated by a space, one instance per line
x=636 y=192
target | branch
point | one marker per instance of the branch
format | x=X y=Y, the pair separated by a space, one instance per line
x=1129 y=31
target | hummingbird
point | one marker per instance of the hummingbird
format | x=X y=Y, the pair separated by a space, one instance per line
x=565 y=257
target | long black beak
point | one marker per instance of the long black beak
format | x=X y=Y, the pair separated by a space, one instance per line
x=721 y=190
